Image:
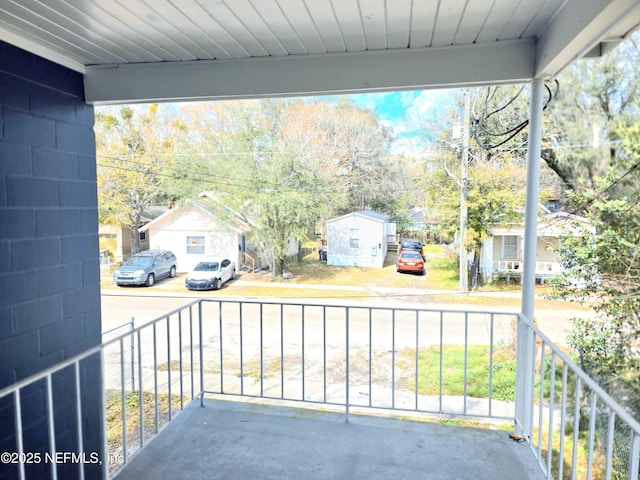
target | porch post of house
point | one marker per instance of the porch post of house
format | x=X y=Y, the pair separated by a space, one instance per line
x=526 y=342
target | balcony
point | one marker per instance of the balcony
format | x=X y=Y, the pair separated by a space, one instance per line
x=233 y=389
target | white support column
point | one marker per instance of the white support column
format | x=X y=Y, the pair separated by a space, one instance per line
x=526 y=343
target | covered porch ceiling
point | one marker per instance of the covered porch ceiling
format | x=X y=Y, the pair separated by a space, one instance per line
x=170 y=50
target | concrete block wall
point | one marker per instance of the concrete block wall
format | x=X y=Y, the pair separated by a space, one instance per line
x=49 y=265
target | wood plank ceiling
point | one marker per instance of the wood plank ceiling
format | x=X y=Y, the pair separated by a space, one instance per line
x=141 y=50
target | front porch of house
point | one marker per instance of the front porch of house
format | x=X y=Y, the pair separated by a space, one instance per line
x=238 y=439
x=503 y=252
x=509 y=270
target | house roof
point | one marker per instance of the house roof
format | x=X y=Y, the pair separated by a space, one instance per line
x=209 y=206
x=142 y=51
x=368 y=214
x=153 y=212
x=551 y=225
x=554 y=224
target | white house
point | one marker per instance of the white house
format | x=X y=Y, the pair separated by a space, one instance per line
x=502 y=252
x=358 y=239
x=198 y=229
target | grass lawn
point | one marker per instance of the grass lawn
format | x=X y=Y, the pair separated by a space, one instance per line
x=441 y=269
x=113 y=410
x=503 y=379
x=441 y=280
x=442 y=273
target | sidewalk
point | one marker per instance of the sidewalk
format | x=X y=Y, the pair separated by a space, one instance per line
x=176 y=286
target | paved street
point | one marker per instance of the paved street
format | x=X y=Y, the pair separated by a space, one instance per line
x=118 y=309
x=119 y=305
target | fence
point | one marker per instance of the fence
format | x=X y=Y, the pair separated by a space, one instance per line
x=111 y=375
x=361 y=357
x=433 y=362
x=146 y=394
x=579 y=431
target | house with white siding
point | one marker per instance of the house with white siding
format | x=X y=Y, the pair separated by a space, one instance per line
x=502 y=252
x=358 y=239
x=198 y=229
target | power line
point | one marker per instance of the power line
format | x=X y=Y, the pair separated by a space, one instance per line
x=209 y=176
x=477 y=122
x=235 y=182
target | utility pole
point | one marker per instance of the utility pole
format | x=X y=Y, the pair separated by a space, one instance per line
x=464 y=158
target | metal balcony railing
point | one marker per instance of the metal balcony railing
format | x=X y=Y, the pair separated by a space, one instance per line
x=435 y=363
x=576 y=429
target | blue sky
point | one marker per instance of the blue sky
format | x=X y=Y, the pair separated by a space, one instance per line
x=408 y=114
x=390 y=106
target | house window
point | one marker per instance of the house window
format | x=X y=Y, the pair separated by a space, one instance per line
x=510 y=246
x=143 y=236
x=195 y=245
x=354 y=237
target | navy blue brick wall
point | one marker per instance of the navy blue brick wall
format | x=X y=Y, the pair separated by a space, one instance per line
x=49 y=267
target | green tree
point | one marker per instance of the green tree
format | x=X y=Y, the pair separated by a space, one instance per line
x=286 y=163
x=214 y=145
x=287 y=201
x=495 y=195
x=603 y=270
x=258 y=169
x=350 y=146
x=581 y=140
x=495 y=176
x=130 y=145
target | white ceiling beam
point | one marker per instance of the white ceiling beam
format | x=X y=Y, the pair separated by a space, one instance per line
x=39 y=49
x=301 y=75
x=578 y=28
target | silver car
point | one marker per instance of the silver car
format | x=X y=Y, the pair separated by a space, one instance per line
x=211 y=274
x=144 y=268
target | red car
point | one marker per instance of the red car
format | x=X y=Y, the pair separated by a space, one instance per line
x=410 y=261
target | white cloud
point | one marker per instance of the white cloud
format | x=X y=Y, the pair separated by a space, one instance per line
x=426 y=113
x=430 y=103
x=408 y=98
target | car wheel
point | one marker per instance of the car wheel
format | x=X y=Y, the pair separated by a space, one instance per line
x=151 y=279
x=172 y=272
x=216 y=284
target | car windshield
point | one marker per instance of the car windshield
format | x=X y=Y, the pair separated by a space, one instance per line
x=412 y=255
x=207 y=267
x=139 y=261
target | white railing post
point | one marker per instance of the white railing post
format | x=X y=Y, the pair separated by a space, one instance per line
x=133 y=356
x=526 y=341
x=634 y=455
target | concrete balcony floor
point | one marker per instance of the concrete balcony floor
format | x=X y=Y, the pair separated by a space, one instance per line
x=239 y=440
